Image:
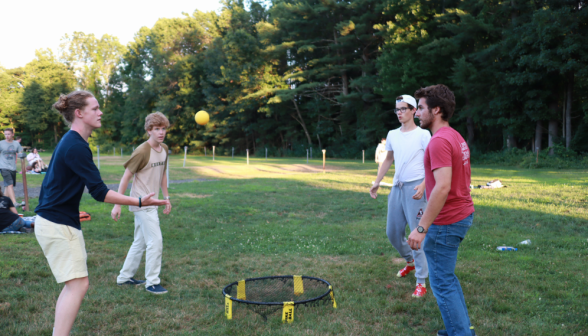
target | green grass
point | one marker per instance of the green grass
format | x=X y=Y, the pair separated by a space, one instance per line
x=265 y=219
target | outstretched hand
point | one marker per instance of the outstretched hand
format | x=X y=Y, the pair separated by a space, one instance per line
x=148 y=201
x=374 y=190
x=115 y=213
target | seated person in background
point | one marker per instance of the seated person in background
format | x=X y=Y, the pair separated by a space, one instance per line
x=35 y=161
x=9 y=218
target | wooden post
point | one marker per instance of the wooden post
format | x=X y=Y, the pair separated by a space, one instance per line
x=311 y=153
x=248 y=157
x=98 y=150
x=22 y=157
x=213 y=150
x=266 y=154
x=185 y=153
x=324 y=158
x=307 y=156
x=363 y=156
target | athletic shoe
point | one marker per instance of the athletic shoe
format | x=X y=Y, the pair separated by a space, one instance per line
x=444 y=332
x=132 y=282
x=156 y=289
x=406 y=270
x=420 y=291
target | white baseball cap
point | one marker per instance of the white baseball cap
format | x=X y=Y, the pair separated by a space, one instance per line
x=407 y=99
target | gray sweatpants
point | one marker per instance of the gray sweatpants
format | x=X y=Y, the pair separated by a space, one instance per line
x=402 y=210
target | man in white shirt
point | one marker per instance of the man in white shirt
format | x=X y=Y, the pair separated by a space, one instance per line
x=381 y=153
x=406 y=204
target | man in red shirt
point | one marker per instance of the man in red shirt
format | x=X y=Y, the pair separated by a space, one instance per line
x=450 y=209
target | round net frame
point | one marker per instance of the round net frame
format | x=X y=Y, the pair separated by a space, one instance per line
x=267 y=295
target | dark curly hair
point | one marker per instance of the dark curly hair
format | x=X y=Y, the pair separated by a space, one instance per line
x=438 y=96
x=67 y=104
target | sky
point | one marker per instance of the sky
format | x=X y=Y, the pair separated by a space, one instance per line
x=26 y=26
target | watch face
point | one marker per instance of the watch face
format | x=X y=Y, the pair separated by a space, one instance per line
x=420 y=229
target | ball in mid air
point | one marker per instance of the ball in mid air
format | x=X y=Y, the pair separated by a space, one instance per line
x=202 y=118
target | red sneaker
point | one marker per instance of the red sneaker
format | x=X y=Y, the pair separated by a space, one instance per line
x=420 y=291
x=407 y=269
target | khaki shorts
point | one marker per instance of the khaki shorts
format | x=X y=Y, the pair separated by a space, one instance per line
x=64 y=249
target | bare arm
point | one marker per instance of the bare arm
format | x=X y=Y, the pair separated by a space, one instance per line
x=168 y=206
x=122 y=187
x=383 y=170
x=113 y=197
x=438 y=197
x=13 y=209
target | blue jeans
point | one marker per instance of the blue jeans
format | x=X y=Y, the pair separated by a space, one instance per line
x=18 y=224
x=441 y=245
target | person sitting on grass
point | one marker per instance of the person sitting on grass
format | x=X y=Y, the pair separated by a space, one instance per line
x=57 y=227
x=9 y=218
x=35 y=161
x=147 y=164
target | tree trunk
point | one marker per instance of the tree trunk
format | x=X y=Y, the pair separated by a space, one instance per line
x=569 y=95
x=511 y=142
x=538 y=136
x=301 y=121
x=552 y=131
x=319 y=141
x=470 y=126
x=283 y=143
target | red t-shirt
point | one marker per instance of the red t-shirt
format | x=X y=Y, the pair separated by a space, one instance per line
x=447 y=148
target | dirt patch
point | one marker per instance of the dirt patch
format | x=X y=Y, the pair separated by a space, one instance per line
x=398 y=261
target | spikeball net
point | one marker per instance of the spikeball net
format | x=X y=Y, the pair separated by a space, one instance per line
x=267 y=295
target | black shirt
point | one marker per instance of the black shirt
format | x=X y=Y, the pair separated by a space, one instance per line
x=72 y=168
x=7 y=217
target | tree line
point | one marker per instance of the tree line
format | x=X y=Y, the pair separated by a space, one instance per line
x=292 y=74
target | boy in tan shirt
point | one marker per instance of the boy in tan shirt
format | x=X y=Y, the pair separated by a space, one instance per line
x=147 y=164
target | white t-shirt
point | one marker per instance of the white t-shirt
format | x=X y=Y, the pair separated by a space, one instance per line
x=380 y=153
x=32 y=158
x=409 y=152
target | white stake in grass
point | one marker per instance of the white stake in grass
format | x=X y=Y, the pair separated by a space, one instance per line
x=213 y=150
x=363 y=156
x=185 y=153
x=167 y=169
x=324 y=158
x=307 y=156
x=266 y=154
x=248 y=157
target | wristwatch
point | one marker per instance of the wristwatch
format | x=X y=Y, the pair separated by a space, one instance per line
x=421 y=229
x=166 y=198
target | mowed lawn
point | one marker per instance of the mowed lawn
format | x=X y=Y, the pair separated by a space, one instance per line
x=281 y=217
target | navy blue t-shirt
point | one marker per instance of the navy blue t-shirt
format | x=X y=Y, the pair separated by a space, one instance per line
x=71 y=168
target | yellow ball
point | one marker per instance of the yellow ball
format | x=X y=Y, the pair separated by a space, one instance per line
x=202 y=118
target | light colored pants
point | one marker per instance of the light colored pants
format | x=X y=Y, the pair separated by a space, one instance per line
x=402 y=210
x=147 y=238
